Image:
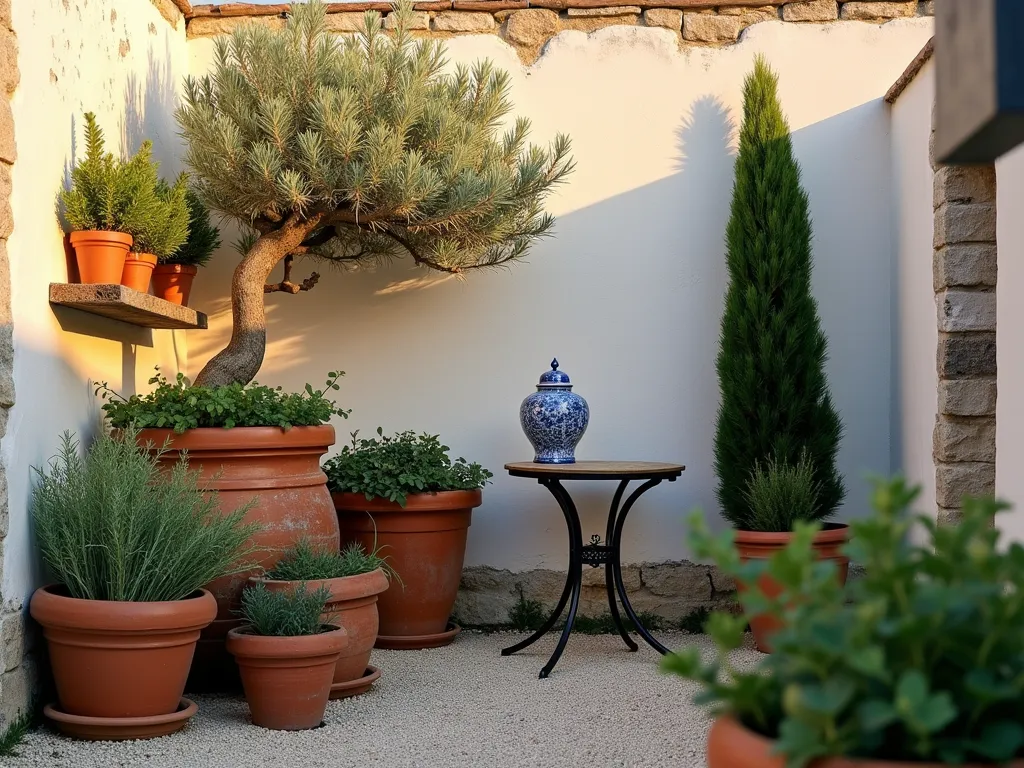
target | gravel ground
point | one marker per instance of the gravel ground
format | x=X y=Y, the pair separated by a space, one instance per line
x=462 y=706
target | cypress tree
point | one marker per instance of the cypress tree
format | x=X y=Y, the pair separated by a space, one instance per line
x=775 y=403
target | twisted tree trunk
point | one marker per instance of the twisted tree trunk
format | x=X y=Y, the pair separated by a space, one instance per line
x=241 y=359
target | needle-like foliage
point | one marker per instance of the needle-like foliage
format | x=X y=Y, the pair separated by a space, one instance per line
x=285 y=614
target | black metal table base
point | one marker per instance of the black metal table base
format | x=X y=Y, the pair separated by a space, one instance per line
x=593 y=554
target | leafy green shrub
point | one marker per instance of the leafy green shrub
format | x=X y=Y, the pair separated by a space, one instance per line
x=778 y=495
x=163 y=227
x=393 y=467
x=923 y=663
x=303 y=563
x=284 y=614
x=112 y=526
x=203 y=237
x=179 y=405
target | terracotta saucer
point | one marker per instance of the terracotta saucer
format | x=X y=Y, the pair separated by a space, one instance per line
x=121 y=728
x=356 y=687
x=416 y=642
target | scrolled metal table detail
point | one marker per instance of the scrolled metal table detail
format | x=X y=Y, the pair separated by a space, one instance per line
x=595 y=553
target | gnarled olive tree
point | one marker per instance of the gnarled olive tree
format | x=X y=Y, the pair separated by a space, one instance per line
x=357 y=148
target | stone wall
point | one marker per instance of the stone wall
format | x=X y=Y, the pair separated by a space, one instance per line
x=528 y=24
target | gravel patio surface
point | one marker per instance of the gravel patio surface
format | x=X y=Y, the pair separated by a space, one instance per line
x=462 y=706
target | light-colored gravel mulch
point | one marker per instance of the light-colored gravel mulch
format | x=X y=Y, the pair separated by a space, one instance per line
x=462 y=706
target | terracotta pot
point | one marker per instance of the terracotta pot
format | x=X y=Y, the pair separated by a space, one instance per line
x=173 y=282
x=138 y=269
x=281 y=471
x=425 y=543
x=353 y=607
x=117 y=659
x=287 y=679
x=758 y=545
x=100 y=255
x=731 y=745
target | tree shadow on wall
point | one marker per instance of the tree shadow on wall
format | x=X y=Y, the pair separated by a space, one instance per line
x=149 y=111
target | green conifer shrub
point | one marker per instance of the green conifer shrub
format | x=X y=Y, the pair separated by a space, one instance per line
x=775 y=401
x=203 y=237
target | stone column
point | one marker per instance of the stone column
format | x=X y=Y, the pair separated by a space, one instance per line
x=964 y=279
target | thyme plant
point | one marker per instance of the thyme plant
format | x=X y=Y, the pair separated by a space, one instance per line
x=285 y=614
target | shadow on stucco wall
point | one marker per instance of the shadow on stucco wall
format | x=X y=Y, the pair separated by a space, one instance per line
x=149 y=110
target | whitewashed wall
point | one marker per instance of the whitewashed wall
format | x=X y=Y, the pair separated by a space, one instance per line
x=628 y=293
x=122 y=60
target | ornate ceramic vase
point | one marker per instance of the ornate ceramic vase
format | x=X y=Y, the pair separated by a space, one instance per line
x=554 y=418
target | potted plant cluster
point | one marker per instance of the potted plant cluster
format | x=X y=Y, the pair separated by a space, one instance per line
x=175 y=270
x=777 y=431
x=131 y=546
x=286 y=654
x=920 y=666
x=405 y=495
x=247 y=443
x=160 y=232
x=353 y=578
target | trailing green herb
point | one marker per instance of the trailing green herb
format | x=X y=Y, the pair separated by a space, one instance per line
x=180 y=405
x=111 y=525
x=303 y=563
x=920 y=660
x=285 y=614
x=394 y=467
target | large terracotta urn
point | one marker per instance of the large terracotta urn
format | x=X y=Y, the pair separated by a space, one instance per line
x=278 y=468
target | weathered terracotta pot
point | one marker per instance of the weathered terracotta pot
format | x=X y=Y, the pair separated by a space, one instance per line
x=118 y=659
x=353 y=607
x=730 y=745
x=281 y=470
x=173 y=282
x=138 y=269
x=758 y=545
x=425 y=543
x=100 y=255
x=286 y=679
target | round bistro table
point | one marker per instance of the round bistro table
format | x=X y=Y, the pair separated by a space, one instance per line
x=595 y=553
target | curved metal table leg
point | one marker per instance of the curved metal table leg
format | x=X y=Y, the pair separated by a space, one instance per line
x=575 y=541
x=572 y=518
x=609 y=567
x=615 y=542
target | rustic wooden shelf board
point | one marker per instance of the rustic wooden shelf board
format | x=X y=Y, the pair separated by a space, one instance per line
x=118 y=302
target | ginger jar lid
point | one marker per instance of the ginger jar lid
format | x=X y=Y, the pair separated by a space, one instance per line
x=554 y=378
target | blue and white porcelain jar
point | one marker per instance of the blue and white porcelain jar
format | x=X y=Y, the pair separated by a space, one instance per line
x=554 y=418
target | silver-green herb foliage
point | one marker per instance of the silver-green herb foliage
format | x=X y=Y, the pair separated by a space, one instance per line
x=285 y=614
x=779 y=494
x=304 y=563
x=111 y=525
x=920 y=660
x=394 y=467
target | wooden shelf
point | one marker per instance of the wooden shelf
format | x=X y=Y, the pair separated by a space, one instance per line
x=129 y=306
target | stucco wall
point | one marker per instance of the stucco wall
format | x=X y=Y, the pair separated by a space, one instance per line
x=628 y=293
x=916 y=334
x=124 y=61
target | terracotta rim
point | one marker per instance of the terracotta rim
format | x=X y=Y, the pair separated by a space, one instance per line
x=141 y=258
x=417 y=642
x=415 y=502
x=342 y=589
x=831 y=533
x=245 y=645
x=122 y=728
x=181 y=269
x=356 y=687
x=261 y=439
x=101 y=236
x=52 y=610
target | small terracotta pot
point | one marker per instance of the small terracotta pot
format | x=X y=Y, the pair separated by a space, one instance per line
x=100 y=255
x=173 y=282
x=286 y=679
x=138 y=269
x=425 y=543
x=731 y=745
x=758 y=545
x=118 y=659
x=353 y=607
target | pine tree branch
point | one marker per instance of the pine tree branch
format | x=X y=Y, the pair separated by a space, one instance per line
x=286 y=285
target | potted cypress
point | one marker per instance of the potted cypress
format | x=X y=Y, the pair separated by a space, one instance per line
x=405 y=495
x=920 y=667
x=159 y=234
x=777 y=431
x=175 y=271
x=131 y=547
x=286 y=654
x=353 y=578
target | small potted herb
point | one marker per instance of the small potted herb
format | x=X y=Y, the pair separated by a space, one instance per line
x=353 y=579
x=405 y=494
x=159 y=232
x=286 y=654
x=131 y=546
x=920 y=666
x=175 y=271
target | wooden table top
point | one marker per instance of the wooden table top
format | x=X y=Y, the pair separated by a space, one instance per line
x=597 y=470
